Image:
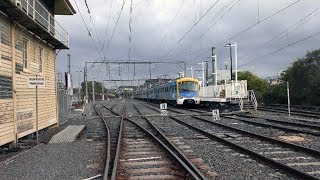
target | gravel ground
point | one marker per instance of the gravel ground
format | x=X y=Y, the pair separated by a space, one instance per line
x=54 y=161
x=310 y=141
x=253 y=143
x=81 y=159
x=228 y=163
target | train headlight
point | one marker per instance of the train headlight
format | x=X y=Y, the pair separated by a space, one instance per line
x=180 y=97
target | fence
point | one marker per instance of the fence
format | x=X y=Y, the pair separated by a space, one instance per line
x=64 y=102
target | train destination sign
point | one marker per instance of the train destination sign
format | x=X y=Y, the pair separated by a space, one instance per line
x=34 y=82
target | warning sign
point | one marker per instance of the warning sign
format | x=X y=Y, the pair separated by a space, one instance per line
x=34 y=82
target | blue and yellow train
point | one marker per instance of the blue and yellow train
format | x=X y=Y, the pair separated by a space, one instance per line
x=181 y=91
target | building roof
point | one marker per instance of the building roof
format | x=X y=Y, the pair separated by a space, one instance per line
x=63 y=7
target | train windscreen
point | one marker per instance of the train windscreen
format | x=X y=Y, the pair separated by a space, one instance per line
x=188 y=86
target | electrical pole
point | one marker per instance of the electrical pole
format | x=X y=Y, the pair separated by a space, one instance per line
x=207 y=73
x=69 y=63
x=93 y=95
x=86 y=82
x=288 y=93
x=214 y=66
x=102 y=91
x=236 y=60
x=230 y=62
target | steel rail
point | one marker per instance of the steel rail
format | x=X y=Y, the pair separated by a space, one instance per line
x=116 y=158
x=107 y=162
x=261 y=124
x=195 y=176
x=276 y=164
x=173 y=147
x=299 y=113
x=283 y=122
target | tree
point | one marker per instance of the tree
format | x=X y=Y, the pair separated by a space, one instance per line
x=255 y=83
x=304 y=79
x=97 y=87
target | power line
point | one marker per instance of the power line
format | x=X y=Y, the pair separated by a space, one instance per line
x=130 y=33
x=252 y=26
x=171 y=24
x=213 y=24
x=283 y=32
x=285 y=47
x=89 y=34
x=114 y=29
x=107 y=29
x=197 y=21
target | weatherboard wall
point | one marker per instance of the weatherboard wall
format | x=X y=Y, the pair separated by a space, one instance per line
x=17 y=101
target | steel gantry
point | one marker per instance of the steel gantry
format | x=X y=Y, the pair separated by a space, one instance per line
x=182 y=65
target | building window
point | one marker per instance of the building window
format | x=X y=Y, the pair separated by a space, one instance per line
x=40 y=59
x=25 y=53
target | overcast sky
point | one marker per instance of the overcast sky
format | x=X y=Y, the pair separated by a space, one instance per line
x=152 y=19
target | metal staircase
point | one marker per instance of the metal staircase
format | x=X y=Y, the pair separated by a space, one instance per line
x=249 y=103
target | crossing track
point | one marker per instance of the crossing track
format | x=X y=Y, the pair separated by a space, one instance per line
x=143 y=155
x=292 y=159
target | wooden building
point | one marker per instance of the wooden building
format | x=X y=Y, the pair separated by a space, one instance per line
x=30 y=37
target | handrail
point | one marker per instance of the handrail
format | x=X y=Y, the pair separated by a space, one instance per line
x=49 y=23
x=253 y=99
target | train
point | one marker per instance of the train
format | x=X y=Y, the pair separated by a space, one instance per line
x=180 y=91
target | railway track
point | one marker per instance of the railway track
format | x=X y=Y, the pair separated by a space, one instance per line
x=142 y=155
x=292 y=159
x=298 y=112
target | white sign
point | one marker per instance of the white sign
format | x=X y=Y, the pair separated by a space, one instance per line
x=215 y=114
x=163 y=106
x=36 y=81
x=164 y=112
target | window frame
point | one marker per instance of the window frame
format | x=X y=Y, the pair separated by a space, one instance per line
x=25 y=53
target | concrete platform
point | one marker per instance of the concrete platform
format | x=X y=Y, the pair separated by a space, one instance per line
x=69 y=134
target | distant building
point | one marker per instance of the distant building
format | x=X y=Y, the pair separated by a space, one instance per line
x=273 y=80
x=30 y=36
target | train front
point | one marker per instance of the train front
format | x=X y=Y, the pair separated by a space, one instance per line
x=188 y=91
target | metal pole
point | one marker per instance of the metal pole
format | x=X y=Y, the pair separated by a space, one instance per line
x=213 y=65
x=203 y=77
x=230 y=62
x=69 y=63
x=207 y=72
x=191 y=72
x=79 y=92
x=93 y=95
x=37 y=115
x=216 y=70
x=86 y=81
x=288 y=93
x=102 y=91
x=236 y=60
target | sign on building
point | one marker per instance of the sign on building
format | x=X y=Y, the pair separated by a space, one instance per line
x=34 y=82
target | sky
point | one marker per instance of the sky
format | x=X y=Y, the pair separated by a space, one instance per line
x=270 y=35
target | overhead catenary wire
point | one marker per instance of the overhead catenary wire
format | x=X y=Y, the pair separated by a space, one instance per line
x=264 y=19
x=89 y=33
x=292 y=27
x=174 y=19
x=107 y=28
x=248 y=28
x=211 y=26
x=130 y=33
x=282 y=48
x=115 y=27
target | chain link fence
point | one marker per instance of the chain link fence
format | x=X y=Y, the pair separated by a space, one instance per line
x=64 y=101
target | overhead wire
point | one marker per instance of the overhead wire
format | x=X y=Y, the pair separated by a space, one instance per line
x=115 y=27
x=265 y=19
x=89 y=33
x=190 y=29
x=292 y=28
x=174 y=19
x=282 y=48
x=107 y=28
